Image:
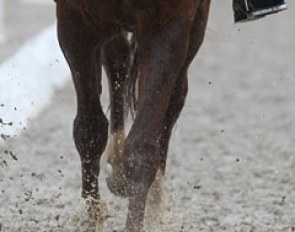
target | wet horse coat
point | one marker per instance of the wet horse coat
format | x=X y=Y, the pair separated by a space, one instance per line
x=150 y=73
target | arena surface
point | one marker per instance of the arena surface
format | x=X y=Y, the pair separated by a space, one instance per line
x=231 y=163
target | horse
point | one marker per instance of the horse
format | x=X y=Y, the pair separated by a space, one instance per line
x=145 y=47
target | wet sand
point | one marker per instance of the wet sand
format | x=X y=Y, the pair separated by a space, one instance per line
x=231 y=160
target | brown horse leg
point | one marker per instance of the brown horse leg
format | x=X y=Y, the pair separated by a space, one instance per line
x=116 y=61
x=166 y=52
x=154 y=201
x=79 y=42
x=181 y=85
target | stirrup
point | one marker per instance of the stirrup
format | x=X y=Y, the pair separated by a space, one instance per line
x=248 y=10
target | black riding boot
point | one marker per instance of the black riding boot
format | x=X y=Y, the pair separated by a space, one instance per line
x=247 y=10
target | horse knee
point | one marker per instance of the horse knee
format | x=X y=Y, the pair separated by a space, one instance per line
x=90 y=135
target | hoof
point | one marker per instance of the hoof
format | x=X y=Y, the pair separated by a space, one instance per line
x=117 y=183
x=93 y=213
x=116 y=180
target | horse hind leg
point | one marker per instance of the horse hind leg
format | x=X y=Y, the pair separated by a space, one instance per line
x=164 y=54
x=80 y=46
x=177 y=100
x=116 y=180
x=154 y=204
x=116 y=61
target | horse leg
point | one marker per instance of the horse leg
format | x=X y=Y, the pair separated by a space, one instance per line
x=155 y=195
x=154 y=203
x=116 y=61
x=80 y=45
x=165 y=52
x=181 y=86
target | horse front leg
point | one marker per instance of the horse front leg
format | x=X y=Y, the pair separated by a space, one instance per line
x=164 y=55
x=80 y=45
